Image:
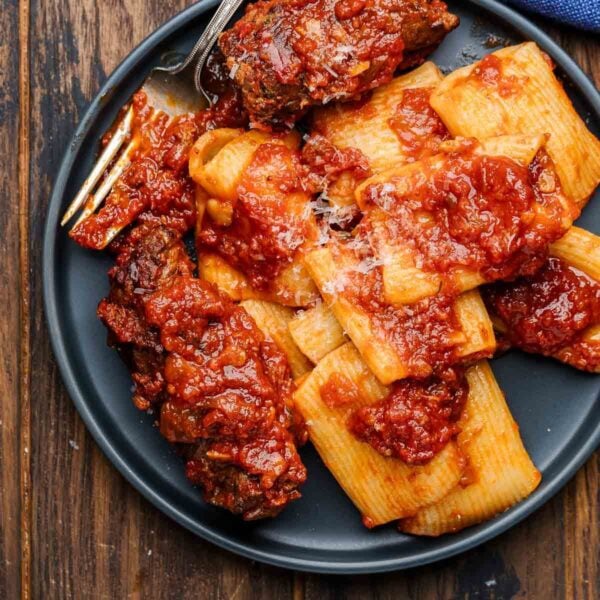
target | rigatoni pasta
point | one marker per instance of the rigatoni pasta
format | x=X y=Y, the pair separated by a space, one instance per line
x=475 y=324
x=403 y=281
x=388 y=198
x=332 y=274
x=499 y=472
x=292 y=287
x=316 y=332
x=251 y=190
x=367 y=125
x=581 y=249
x=220 y=157
x=514 y=90
x=274 y=320
x=218 y=177
x=383 y=489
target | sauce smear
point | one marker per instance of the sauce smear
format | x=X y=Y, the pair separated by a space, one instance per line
x=418 y=127
x=425 y=334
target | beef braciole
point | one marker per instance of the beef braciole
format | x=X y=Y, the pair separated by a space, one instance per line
x=289 y=55
x=221 y=389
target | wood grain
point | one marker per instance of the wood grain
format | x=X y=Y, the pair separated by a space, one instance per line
x=10 y=331
x=91 y=534
x=24 y=297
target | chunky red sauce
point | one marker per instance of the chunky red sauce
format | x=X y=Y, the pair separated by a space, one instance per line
x=416 y=420
x=418 y=127
x=546 y=313
x=157 y=187
x=489 y=71
x=324 y=162
x=287 y=55
x=266 y=230
x=486 y=214
x=581 y=354
x=230 y=390
x=426 y=334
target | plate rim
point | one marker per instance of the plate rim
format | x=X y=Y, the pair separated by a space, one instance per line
x=494 y=527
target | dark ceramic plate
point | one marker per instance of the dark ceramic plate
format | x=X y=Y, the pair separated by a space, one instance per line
x=557 y=407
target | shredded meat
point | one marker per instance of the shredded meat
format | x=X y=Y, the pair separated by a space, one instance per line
x=288 y=55
x=148 y=257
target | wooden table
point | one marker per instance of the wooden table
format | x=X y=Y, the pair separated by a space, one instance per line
x=70 y=525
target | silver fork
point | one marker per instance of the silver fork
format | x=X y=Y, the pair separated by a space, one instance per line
x=173 y=90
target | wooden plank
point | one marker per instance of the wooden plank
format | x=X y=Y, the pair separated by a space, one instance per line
x=581 y=510
x=24 y=313
x=10 y=278
x=580 y=502
x=93 y=535
x=582 y=46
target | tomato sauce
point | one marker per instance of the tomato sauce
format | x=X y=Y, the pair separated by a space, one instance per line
x=268 y=227
x=485 y=214
x=418 y=127
x=229 y=389
x=547 y=313
x=156 y=187
x=339 y=391
x=581 y=354
x=426 y=335
x=416 y=420
x=490 y=73
x=324 y=163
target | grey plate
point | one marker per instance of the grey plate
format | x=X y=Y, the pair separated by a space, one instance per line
x=557 y=407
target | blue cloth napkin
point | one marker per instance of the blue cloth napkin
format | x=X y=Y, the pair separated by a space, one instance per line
x=584 y=14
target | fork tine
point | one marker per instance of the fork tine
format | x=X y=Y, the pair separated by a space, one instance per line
x=103 y=161
x=118 y=169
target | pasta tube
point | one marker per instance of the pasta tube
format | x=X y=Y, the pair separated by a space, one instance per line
x=514 y=91
x=316 y=332
x=499 y=471
x=273 y=320
x=383 y=489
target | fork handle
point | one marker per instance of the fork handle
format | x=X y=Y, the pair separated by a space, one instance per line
x=216 y=25
x=205 y=42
